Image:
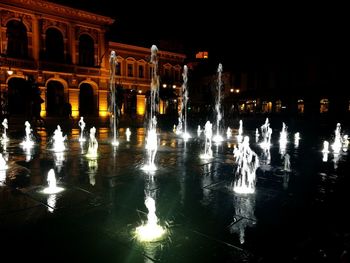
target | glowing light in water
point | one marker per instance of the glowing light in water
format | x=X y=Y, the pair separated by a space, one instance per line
x=257 y=135
x=208 y=153
x=345 y=143
x=183 y=113
x=51 y=203
x=81 y=124
x=247 y=164
x=151 y=230
x=283 y=138
x=128 y=133
x=217 y=137
x=51 y=180
x=151 y=146
x=58 y=140
x=93 y=144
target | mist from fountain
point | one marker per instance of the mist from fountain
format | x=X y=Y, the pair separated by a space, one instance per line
x=199 y=131
x=217 y=137
x=228 y=133
x=113 y=103
x=208 y=132
x=337 y=144
x=283 y=139
x=247 y=164
x=286 y=162
x=82 y=125
x=296 y=139
x=51 y=180
x=3 y=164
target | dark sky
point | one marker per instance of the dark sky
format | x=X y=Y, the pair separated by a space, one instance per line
x=231 y=32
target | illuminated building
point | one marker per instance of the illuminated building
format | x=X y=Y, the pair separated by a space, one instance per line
x=66 y=51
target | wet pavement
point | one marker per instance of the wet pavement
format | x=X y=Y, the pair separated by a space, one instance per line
x=297 y=216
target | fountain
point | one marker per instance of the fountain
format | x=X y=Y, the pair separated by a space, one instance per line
x=240 y=132
x=325 y=151
x=199 y=131
x=217 y=137
x=337 y=144
x=228 y=133
x=28 y=142
x=183 y=113
x=52 y=188
x=3 y=165
x=266 y=133
x=283 y=139
x=151 y=230
x=4 y=135
x=128 y=133
x=208 y=153
x=286 y=162
x=296 y=139
x=81 y=124
x=93 y=144
x=113 y=103
x=151 y=139
x=247 y=164
x=58 y=140
x=345 y=143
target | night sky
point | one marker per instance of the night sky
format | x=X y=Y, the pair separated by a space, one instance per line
x=233 y=33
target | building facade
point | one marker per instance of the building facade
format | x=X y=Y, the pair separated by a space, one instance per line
x=65 y=53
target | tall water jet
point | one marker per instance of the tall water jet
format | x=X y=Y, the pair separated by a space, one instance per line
x=199 y=130
x=81 y=124
x=266 y=133
x=247 y=164
x=338 y=142
x=3 y=164
x=127 y=134
x=184 y=94
x=52 y=184
x=208 y=132
x=4 y=135
x=286 y=162
x=283 y=139
x=28 y=141
x=58 y=140
x=296 y=139
x=152 y=139
x=93 y=144
x=150 y=230
x=113 y=103
x=217 y=137
x=240 y=132
x=325 y=151
x=228 y=133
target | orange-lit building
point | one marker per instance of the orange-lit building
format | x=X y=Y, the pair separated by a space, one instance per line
x=66 y=52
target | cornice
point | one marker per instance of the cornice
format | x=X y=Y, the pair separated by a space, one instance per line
x=45 y=7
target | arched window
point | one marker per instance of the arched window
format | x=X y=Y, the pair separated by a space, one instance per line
x=54 y=45
x=86 y=51
x=17 y=41
x=86 y=100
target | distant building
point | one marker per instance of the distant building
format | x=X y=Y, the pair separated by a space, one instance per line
x=66 y=52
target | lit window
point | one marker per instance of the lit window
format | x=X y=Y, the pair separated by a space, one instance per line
x=324 y=105
x=278 y=106
x=300 y=106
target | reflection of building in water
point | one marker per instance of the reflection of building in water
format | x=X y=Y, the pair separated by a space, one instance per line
x=65 y=52
x=244 y=216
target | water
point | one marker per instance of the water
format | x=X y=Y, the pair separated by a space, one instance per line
x=247 y=164
x=218 y=137
x=286 y=219
x=28 y=140
x=183 y=112
x=52 y=184
x=128 y=134
x=82 y=125
x=4 y=135
x=113 y=99
x=58 y=140
x=93 y=144
x=208 y=132
x=152 y=139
